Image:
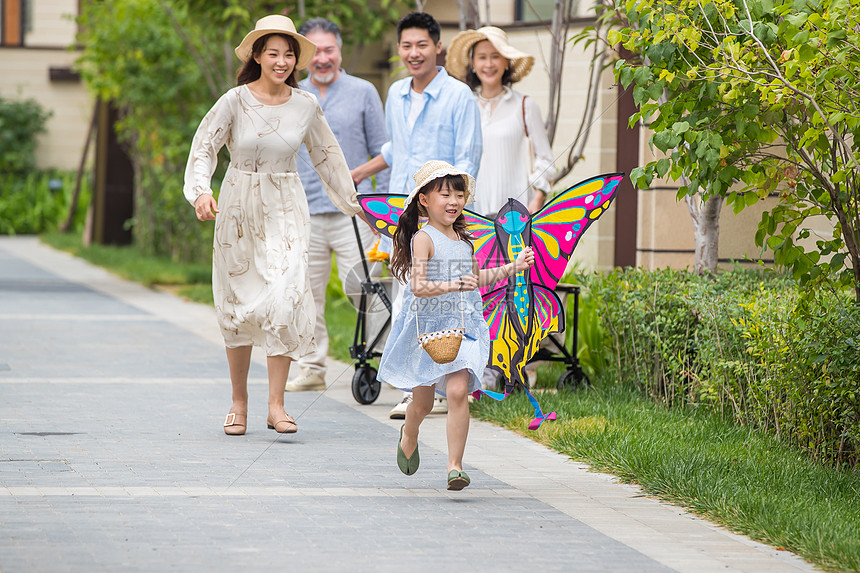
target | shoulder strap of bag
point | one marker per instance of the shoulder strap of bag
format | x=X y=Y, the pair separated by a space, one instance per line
x=525 y=125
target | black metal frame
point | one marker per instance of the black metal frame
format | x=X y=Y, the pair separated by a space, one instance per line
x=573 y=376
x=360 y=350
x=365 y=386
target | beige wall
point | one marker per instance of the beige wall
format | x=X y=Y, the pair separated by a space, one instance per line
x=51 y=23
x=24 y=74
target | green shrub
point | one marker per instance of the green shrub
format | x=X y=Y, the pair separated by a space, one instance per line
x=20 y=124
x=28 y=205
x=748 y=345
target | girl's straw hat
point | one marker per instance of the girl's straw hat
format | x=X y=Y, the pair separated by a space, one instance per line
x=458 y=60
x=434 y=170
x=277 y=24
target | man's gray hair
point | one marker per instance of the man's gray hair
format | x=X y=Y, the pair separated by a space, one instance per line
x=323 y=25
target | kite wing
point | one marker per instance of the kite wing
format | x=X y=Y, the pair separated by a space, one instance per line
x=557 y=228
x=383 y=211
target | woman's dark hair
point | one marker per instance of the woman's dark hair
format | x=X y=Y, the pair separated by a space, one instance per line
x=422 y=21
x=407 y=226
x=473 y=82
x=252 y=71
x=472 y=78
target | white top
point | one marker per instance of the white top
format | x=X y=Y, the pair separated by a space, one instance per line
x=505 y=165
x=416 y=101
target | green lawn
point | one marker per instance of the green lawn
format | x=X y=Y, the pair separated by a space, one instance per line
x=737 y=476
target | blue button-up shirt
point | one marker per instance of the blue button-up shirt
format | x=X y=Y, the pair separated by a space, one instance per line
x=354 y=112
x=448 y=128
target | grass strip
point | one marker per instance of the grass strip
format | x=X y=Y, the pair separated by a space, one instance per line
x=739 y=477
x=193 y=281
x=131 y=264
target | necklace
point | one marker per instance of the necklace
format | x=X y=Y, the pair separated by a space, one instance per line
x=493 y=99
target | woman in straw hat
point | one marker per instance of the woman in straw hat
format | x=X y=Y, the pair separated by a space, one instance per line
x=260 y=261
x=516 y=160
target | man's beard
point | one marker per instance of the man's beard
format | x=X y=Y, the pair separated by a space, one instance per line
x=323 y=79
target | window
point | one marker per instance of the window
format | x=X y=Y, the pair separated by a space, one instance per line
x=12 y=20
x=534 y=10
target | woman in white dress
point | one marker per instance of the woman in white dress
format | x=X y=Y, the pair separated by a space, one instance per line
x=260 y=260
x=517 y=159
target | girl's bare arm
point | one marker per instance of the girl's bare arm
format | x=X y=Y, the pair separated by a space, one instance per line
x=524 y=260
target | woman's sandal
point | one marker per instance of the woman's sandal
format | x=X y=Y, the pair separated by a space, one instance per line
x=235 y=424
x=285 y=426
x=457 y=480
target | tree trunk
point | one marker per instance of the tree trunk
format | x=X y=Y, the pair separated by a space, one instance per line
x=559 y=30
x=469 y=14
x=706 y=230
x=73 y=206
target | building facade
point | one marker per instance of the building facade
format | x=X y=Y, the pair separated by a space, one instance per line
x=36 y=62
x=647 y=228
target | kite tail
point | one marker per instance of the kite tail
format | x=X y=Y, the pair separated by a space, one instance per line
x=539 y=418
x=498 y=396
x=539 y=415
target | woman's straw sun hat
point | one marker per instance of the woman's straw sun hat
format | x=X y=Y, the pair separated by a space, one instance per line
x=277 y=24
x=458 y=60
x=434 y=170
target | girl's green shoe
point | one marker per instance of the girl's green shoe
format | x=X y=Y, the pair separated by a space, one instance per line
x=457 y=480
x=407 y=465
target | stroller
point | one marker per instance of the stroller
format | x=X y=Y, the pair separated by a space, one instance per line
x=365 y=386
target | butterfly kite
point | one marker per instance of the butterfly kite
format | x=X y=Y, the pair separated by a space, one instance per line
x=521 y=310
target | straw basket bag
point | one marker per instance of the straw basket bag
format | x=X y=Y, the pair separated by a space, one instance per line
x=443 y=345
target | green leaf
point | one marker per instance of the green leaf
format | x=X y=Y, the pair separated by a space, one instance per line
x=680 y=127
x=837 y=261
x=642 y=75
x=806 y=53
x=655 y=91
x=663 y=166
x=625 y=76
x=800 y=38
x=836 y=37
x=797 y=20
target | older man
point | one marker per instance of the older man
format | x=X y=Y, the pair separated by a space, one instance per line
x=353 y=109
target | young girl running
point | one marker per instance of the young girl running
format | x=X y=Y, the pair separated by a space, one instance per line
x=441 y=277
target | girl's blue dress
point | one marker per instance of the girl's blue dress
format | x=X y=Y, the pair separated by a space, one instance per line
x=404 y=364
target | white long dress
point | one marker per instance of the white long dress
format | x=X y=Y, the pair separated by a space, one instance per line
x=505 y=157
x=260 y=262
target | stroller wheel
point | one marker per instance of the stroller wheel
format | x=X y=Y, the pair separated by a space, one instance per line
x=365 y=387
x=573 y=379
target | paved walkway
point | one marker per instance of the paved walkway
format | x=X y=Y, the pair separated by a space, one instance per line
x=112 y=457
